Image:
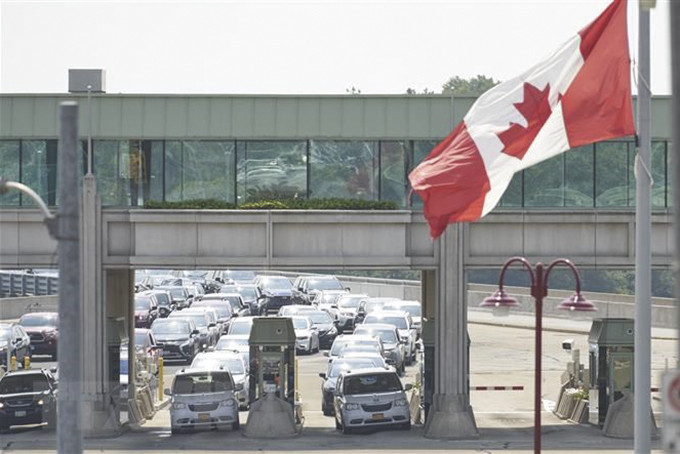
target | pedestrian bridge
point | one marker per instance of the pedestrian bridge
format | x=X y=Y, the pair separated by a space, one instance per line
x=133 y=238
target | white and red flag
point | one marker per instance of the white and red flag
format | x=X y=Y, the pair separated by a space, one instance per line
x=579 y=95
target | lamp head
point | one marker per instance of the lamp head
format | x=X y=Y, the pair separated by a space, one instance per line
x=577 y=302
x=500 y=302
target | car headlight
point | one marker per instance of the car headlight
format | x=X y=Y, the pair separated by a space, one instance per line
x=333 y=330
x=227 y=403
x=2 y=404
x=349 y=406
x=179 y=405
x=40 y=402
x=400 y=402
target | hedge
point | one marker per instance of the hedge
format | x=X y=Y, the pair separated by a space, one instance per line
x=285 y=204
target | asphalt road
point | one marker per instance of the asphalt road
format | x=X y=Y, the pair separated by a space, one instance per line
x=499 y=356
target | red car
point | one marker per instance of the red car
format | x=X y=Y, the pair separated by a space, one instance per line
x=43 y=329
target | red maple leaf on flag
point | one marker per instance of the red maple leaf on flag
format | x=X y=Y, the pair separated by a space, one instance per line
x=535 y=108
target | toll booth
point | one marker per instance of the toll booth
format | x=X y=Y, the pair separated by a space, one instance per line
x=272 y=359
x=611 y=353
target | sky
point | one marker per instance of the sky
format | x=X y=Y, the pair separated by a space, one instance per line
x=301 y=47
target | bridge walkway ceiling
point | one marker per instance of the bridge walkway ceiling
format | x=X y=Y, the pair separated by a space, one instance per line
x=334 y=239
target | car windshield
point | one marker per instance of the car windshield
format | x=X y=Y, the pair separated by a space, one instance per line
x=240 y=275
x=300 y=323
x=38 y=320
x=142 y=304
x=248 y=293
x=374 y=305
x=276 y=283
x=372 y=383
x=399 y=322
x=349 y=302
x=13 y=384
x=359 y=348
x=223 y=310
x=170 y=327
x=413 y=310
x=202 y=382
x=163 y=299
x=388 y=336
x=324 y=284
x=200 y=320
x=240 y=327
x=319 y=318
x=233 y=365
x=5 y=333
x=141 y=339
x=226 y=343
x=349 y=364
x=338 y=347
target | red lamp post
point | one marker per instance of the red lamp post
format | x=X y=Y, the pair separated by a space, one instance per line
x=539 y=290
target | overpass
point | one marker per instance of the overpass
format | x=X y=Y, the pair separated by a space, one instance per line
x=117 y=241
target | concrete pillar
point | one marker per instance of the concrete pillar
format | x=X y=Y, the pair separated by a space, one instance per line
x=451 y=415
x=98 y=418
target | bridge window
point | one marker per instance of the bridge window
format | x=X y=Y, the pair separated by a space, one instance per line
x=393 y=171
x=271 y=170
x=613 y=169
x=344 y=169
x=10 y=169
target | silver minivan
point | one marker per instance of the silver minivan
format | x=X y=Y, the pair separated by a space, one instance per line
x=202 y=398
x=371 y=398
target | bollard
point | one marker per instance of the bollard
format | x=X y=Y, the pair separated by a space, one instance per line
x=160 y=379
x=27 y=362
x=13 y=363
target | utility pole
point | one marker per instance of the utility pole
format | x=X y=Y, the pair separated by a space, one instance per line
x=69 y=425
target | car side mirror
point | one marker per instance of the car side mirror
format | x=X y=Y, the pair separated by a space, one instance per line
x=212 y=325
x=348 y=289
x=238 y=387
x=194 y=332
x=322 y=375
x=167 y=392
x=154 y=308
x=326 y=353
x=408 y=387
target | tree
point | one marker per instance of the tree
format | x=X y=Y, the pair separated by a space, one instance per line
x=474 y=86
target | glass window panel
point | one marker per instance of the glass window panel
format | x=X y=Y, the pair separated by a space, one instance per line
x=344 y=169
x=611 y=174
x=207 y=170
x=115 y=165
x=579 y=182
x=659 y=173
x=670 y=172
x=421 y=148
x=272 y=170
x=9 y=169
x=512 y=197
x=393 y=157
x=156 y=171
x=544 y=183
x=632 y=183
x=34 y=167
x=173 y=171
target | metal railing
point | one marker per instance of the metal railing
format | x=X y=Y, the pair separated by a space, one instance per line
x=26 y=283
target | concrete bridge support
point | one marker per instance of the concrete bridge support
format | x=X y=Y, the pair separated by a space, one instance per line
x=451 y=415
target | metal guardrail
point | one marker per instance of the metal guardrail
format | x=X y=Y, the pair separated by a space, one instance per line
x=24 y=283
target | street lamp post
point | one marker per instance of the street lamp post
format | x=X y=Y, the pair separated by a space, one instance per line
x=501 y=301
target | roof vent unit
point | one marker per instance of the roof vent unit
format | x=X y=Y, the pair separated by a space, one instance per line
x=84 y=80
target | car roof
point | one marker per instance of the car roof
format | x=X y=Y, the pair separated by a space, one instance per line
x=193 y=371
x=376 y=326
x=368 y=371
x=220 y=354
x=388 y=313
x=41 y=313
x=26 y=372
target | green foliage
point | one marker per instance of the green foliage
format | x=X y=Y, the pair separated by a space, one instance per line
x=473 y=86
x=264 y=205
x=285 y=204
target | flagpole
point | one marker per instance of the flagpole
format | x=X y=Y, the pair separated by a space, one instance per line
x=643 y=272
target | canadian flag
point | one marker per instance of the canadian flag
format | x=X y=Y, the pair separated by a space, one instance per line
x=579 y=95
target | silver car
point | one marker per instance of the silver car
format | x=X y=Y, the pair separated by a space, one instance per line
x=233 y=362
x=330 y=377
x=202 y=398
x=371 y=398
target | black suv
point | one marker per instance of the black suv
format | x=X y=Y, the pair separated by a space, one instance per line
x=28 y=397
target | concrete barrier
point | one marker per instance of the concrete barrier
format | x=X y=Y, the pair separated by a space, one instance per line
x=13 y=308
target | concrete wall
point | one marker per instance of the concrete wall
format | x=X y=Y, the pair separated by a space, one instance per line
x=13 y=308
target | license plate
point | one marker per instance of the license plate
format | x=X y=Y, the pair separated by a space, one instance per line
x=204 y=416
x=20 y=413
x=378 y=416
